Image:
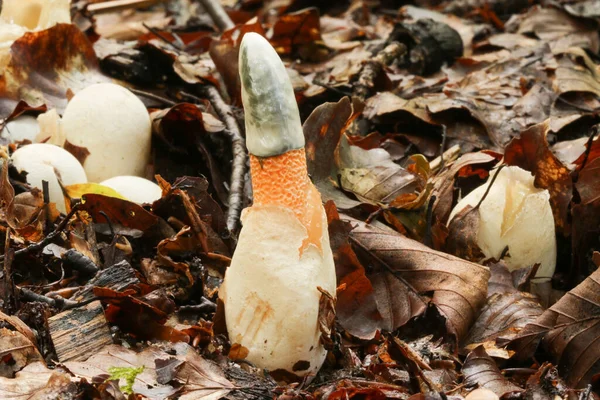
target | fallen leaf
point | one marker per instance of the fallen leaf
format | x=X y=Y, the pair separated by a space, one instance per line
x=504 y=316
x=569 y=331
x=195 y=377
x=144 y=316
x=480 y=370
x=119 y=212
x=323 y=130
x=532 y=153
x=37 y=382
x=443 y=184
x=16 y=352
x=372 y=175
x=297 y=32
x=44 y=65
x=356 y=307
x=408 y=276
x=560 y=30
x=77 y=190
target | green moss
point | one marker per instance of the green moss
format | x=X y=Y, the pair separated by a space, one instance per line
x=127 y=373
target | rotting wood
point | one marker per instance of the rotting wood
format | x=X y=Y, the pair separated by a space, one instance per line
x=118 y=277
x=80 y=332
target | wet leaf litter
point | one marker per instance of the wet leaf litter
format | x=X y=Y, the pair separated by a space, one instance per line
x=378 y=201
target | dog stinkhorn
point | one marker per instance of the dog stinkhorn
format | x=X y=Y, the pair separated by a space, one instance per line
x=283 y=260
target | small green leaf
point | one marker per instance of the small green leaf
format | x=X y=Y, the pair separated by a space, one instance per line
x=127 y=373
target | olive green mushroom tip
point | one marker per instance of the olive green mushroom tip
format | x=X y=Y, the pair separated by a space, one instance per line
x=273 y=124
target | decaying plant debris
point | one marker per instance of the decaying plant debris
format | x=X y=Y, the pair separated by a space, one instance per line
x=406 y=108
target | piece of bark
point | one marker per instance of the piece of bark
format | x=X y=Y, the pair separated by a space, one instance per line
x=79 y=332
x=117 y=277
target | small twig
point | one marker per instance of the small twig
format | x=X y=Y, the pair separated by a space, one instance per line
x=10 y=299
x=58 y=302
x=49 y=238
x=428 y=239
x=238 y=167
x=119 y=5
x=487 y=190
x=109 y=223
x=206 y=306
x=194 y=98
x=588 y=147
x=443 y=146
x=337 y=90
x=448 y=155
x=587 y=393
x=218 y=14
x=159 y=35
x=153 y=96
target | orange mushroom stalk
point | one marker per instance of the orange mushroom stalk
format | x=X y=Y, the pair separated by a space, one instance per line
x=271 y=290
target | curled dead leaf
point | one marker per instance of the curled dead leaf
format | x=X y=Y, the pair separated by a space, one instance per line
x=44 y=65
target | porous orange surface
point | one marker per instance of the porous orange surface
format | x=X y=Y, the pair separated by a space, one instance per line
x=283 y=181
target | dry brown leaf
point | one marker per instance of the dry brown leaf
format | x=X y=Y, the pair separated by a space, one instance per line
x=37 y=382
x=569 y=331
x=200 y=379
x=560 y=30
x=532 y=153
x=323 y=130
x=44 y=65
x=408 y=276
x=16 y=352
x=479 y=369
x=504 y=315
x=356 y=307
x=372 y=175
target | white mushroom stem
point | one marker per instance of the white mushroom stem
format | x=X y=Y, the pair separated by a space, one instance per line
x=46 y=162
x=271 y=289
x=515 y=214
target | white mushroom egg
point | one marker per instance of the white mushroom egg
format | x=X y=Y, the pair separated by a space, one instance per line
x=114 y=126
x=134 y=188
x=46 y=162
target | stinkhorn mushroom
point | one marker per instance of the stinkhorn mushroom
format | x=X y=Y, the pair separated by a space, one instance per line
x=46 y=162
x=134 y=188
x=517 y=215
x=283 y=259
x=114 y=126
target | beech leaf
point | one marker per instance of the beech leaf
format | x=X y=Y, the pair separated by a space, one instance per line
x=569 y=331
x=408 y=276
x=479 y=369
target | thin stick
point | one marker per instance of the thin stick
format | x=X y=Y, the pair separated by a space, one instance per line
x=58 y=302
x=162 y=37
x=238 y=168
x=218 y=14
x=49 y=238
x=449 y=155
x=10 y=300
x=119 y=5
x=153 y=96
